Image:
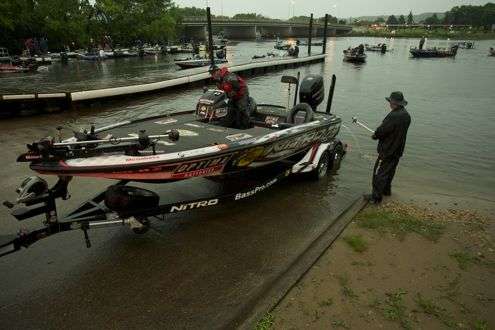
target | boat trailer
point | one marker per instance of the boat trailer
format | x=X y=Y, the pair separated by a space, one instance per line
x=124 y=205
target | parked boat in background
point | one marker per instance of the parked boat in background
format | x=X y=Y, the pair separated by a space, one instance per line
x=465 y=44
x=280 y=45
x=179 y=49
x=382 y=48
x=189 y=64
x=492 y=52
x=434 y=52
x=354 y=56
x=8 y=65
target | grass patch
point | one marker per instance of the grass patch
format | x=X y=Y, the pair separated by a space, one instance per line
x=265 y=323
x=480 y=325
x=326 y=303
x=429 y=307
x=464 y=259
x=346 y=289
x=399 y=223
x=356 y=242
x=340 y=324
x=394 y=309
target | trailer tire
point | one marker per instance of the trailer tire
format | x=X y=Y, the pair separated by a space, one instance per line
x=120 y=198
x=322 y=168
x=337 y=156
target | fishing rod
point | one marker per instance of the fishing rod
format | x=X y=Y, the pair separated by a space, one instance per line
x=171 y=134
x=357 y=122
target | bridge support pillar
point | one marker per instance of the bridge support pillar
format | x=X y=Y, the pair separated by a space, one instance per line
x=240 y=32
x=196 y=32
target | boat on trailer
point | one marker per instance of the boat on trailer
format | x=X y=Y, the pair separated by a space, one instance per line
x=173 y=147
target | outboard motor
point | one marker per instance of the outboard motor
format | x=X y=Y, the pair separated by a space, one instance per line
x=312 y=90
x=212 y=105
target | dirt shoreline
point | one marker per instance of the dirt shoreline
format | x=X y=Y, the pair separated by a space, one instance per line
x=416 y=262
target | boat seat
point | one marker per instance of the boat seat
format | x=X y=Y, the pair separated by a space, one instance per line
x=295 y=116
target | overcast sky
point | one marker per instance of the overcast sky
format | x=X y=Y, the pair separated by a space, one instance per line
x=339 y=8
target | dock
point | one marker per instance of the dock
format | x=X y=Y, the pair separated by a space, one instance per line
x=66 y=100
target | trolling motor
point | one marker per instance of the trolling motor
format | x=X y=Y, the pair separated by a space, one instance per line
x=357 y=122
x=38 y=199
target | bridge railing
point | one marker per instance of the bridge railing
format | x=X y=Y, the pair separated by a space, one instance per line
x=227 y=20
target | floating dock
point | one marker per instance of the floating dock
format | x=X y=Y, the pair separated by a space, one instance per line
x=65 y=100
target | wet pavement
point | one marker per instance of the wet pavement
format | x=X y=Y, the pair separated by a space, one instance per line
x=195 y=270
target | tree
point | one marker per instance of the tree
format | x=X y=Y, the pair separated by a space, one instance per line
x=248 y=16
x=392 y=20
x=402 y=20
x=432 y=20
x=127 y=21
x=380 y=20
x=300 y=18
x=482 y=16
x=410 y=18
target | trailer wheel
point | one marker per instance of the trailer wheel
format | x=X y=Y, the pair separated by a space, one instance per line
x=337 y=155
x=144 y=228
x=322 y=167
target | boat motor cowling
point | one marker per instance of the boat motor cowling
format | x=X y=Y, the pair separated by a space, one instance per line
x=312 y=90
x=212 y=105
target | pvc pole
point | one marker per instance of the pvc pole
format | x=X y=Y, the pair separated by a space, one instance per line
x=330 y=94
x=310 y=34
x=325 y=35
x=210 y=37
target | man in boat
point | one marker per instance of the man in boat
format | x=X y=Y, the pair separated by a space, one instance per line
x=237 y=92
x=383 y=48
x=391 y=136
x=421 y=42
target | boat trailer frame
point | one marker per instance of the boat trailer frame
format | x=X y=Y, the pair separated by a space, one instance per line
x=93 y=213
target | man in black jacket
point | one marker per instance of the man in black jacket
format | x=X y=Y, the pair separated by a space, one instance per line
x=391 y=136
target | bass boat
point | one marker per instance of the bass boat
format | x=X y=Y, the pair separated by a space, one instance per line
x=281 y=141
x=434 y=52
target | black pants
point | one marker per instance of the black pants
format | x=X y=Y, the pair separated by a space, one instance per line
x=237 y=114
x=383 y=174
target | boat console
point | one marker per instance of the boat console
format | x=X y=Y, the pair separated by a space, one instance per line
x=213 y=105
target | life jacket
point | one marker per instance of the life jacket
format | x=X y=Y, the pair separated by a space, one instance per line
x=234 y=86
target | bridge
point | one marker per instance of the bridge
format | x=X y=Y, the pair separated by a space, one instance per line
x=196 y=27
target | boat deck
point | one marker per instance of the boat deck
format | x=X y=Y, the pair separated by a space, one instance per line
x=195 y=133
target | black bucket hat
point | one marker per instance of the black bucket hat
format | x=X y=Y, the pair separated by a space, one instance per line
x=397 y=98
